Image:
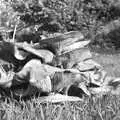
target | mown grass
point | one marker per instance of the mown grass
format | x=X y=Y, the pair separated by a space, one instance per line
x=105 y=108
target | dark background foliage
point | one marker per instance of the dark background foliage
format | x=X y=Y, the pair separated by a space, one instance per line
x=96 y=19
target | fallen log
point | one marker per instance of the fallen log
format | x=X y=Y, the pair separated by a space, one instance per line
x=74 y=46
x=48 y=79
x=64 y=43
x=44 y=54
x=69 y=59
x=61 y=45
x=69 y=55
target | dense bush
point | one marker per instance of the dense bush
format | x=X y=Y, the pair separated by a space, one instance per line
x=36 y=17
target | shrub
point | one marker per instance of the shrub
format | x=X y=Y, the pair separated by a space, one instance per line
x=36 y=17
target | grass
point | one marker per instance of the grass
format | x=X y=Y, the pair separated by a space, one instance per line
x=105 y=108
x=110 y=62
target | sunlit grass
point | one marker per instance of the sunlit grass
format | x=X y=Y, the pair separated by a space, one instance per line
x=111 y=63
x=105 y=108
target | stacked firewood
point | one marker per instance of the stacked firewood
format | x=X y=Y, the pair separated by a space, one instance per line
x=58 y=65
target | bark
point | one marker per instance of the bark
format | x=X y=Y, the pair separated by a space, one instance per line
x=45 y=55
x=60 y=47
x=64 y=43
x=68 y=60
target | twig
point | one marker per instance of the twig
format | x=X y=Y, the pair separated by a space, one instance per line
x=13 y=40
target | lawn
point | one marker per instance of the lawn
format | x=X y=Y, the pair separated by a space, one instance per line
x=105 y=108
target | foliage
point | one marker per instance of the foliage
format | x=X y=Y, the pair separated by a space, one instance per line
x=30 y=18
x=92 y=18
x=36 y=17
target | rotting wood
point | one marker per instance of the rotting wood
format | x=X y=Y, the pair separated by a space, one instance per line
x=78 y=60
x=44 y=54
x=69 y=59
x=58 y=43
